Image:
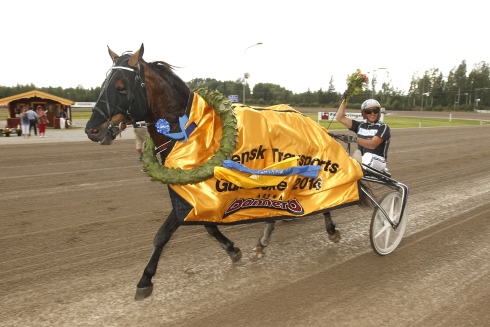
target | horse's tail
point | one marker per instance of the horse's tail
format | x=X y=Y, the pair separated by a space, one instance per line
x=364 y=199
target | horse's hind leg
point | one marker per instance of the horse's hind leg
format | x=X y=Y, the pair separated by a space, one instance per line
x=333 y=234
x=145 y=286
x=234 y=252
x=264 y=239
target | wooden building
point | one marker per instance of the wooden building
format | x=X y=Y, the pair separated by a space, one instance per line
x=53 y=105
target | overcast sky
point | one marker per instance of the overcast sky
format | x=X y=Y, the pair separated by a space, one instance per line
x=304 y=43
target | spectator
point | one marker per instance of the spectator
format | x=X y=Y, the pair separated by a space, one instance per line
x=42 y=121
x=140 y=134
x=62 y=119
x=24 y=119
x=32 y=120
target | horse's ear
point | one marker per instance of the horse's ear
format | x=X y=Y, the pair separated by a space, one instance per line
x=113 y=55
x=137 y=56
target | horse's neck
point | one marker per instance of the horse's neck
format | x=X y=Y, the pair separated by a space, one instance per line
x=166 y=100
x=166 y=105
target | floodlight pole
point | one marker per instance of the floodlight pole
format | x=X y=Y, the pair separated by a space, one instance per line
x=421 y=107
x=373 y=78
x=247 y=75
x=476 y=101
x=422 y=104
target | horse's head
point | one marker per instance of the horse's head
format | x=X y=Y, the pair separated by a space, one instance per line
x=122 y=100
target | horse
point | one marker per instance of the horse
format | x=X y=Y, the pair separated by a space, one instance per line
x=283 y=183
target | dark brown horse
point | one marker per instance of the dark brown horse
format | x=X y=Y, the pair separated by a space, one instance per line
x=145 y=94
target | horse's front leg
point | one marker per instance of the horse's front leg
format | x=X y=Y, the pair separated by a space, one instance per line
x=145 y=286
x=264 y=240
x=333 y=234
x=234 y=252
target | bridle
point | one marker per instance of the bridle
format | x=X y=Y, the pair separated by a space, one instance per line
x=137 y=104
x=136 y=96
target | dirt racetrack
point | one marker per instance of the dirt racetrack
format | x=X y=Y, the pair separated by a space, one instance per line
x=78 y=219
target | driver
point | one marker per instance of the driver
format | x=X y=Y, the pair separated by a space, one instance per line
x=373 y=136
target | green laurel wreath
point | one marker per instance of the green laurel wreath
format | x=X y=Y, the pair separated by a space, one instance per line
x=222 y=106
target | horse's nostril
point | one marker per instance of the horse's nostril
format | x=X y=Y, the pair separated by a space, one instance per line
x=95 y=130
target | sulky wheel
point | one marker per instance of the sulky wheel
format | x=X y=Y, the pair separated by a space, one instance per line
x=384 y=238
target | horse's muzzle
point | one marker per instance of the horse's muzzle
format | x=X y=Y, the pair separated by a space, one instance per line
x=102 y=136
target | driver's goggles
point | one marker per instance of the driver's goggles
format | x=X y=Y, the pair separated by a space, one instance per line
x=372 y=111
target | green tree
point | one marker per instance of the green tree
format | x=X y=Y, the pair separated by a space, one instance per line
x=444 y=90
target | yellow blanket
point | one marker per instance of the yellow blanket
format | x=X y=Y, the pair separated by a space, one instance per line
x=267 y=136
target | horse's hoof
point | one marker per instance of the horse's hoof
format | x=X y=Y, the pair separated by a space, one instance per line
x=143 y=293
x=258 y=254
x=335 y=237
x=237 y=257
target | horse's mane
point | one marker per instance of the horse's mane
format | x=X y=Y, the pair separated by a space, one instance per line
x=163 y=63
x=166 y=71
x=168 y=91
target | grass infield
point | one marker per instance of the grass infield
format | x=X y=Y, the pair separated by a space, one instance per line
x=408 y=122
x=393 y=122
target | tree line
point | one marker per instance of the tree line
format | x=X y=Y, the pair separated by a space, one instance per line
x=458 y=90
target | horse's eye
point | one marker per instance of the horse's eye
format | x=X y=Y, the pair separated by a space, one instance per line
x=121 y=89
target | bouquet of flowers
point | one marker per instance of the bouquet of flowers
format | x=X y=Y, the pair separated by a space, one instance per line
x=355 y=83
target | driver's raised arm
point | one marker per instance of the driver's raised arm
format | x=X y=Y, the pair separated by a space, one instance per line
x=340 y=116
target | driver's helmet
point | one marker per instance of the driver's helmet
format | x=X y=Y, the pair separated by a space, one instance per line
x=370 y=103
